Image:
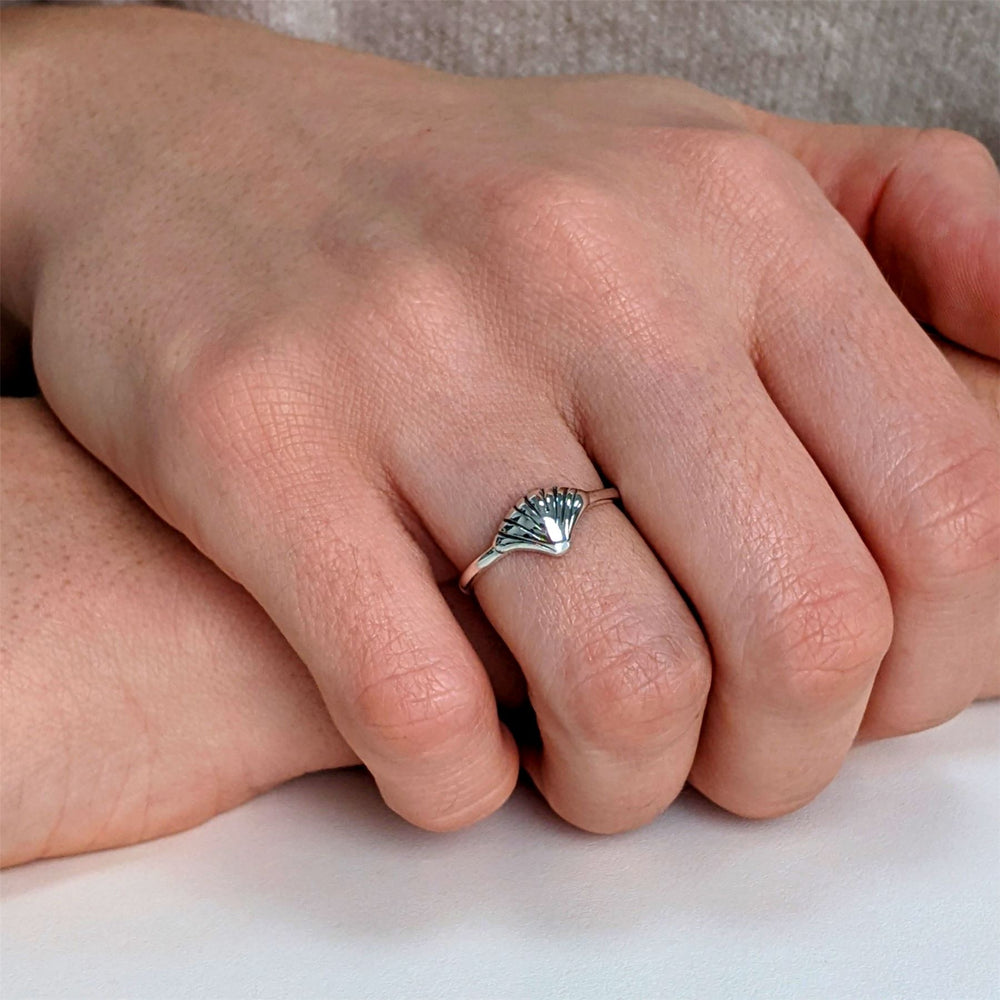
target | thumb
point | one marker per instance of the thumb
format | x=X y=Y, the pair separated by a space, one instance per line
x=926 y=202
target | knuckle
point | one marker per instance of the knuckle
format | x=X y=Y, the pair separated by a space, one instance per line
x=411 y=294
x=758 y=206
x=745 y=169
x=951 y=527
x=951 y=145
x=446 y=815
x=742 y=154
x=555 y=225
x=902 y=719
x=419 y=710
x=768 y=805
x=246 y=401
x=824 y=636
x=575 y=243
x=219 y=400
x=641 y=688
x=460 y=799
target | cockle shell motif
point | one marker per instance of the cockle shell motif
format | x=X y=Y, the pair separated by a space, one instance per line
x=541 y=522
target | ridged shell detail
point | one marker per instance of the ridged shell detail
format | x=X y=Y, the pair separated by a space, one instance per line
x=541 y=522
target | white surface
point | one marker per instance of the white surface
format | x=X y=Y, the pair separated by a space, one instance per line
x=887 y=886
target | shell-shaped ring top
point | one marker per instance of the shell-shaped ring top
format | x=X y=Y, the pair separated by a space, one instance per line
x=541 y=522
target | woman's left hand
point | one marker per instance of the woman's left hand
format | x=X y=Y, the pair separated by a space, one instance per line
x=108 y=612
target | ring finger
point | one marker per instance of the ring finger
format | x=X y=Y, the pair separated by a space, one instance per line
x=616 y=666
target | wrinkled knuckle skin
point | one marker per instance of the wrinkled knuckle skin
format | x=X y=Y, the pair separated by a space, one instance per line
x=639 y=690
x=221 y=409
x=823 y=639
x=247 y=409
x=745 y=155
x=420 y=710
x=447 y=816
x=757 y=206
x=951 y=528
x=554 y=227
x=745 y=169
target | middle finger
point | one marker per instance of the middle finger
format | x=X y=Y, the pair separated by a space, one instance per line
x=616 y=666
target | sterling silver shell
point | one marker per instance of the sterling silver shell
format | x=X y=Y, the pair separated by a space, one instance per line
x=541 y=522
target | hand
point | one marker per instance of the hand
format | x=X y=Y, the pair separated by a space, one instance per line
x=330 y=315
x=175 y=697
x=141 y=691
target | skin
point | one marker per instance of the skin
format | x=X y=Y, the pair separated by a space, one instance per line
x=108 y=614
x=104 y=739
x=333 y=319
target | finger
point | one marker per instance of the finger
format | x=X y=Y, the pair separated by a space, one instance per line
x=793 y=605
x=926 y=202
x=349 y=589
x=981 y=376
x=615 y=665
x=505 y=675
x=914 y=459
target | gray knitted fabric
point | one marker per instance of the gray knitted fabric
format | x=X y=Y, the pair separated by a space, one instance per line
x=922 y=62
x=894 y=62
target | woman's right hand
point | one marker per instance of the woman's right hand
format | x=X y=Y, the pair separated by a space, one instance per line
x=331 y=315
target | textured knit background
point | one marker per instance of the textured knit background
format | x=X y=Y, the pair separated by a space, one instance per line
x=923 y=62
x=893 y=62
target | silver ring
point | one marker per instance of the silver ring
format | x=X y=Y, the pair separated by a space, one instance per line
x=541 y=522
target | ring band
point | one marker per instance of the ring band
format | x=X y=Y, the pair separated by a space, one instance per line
x=541 y=522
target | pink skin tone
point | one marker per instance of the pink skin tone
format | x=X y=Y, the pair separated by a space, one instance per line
x=105 y=740
x=329 y=316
